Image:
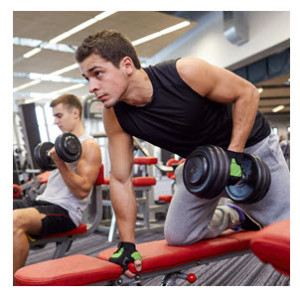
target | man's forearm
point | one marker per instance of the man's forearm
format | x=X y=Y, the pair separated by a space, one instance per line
x=124 y=204
x=76 y=184
x=243 y=115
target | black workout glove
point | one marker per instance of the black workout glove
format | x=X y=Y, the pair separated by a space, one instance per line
x=235 y=166
x=125 y=254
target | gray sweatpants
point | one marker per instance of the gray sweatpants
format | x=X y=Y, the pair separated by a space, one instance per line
x=191 y=218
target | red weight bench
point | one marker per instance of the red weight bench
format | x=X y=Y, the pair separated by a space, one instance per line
x=64 y=240
x=165 y=198
x=272 y=245
x=171 y=162
x=158 y=259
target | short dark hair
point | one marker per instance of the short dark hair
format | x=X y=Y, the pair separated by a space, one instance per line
x=68 y=100
x=110 y=45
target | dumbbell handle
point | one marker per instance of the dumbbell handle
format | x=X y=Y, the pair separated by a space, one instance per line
x=48 y=152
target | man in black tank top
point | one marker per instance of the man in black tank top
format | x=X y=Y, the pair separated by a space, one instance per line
x=179 y=105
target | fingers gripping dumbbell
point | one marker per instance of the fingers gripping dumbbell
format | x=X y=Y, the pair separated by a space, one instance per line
x=67 y=147
x=206 y=173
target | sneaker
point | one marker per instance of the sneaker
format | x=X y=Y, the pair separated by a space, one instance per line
x=247 y=222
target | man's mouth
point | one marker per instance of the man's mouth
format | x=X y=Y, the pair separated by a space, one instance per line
x=101 y=97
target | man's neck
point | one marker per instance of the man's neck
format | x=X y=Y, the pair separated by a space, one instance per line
x=78 y=131
x=140 y=89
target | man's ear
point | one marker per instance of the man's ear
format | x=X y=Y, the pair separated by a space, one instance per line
x=127 y=64
x=76 y=113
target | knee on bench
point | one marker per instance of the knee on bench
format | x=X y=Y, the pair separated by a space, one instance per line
x=174 y=238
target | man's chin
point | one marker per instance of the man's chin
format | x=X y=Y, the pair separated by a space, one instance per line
x=109 y=105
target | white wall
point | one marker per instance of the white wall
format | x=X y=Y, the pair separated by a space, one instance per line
x=207 y=41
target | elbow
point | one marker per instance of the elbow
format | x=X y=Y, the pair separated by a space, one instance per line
x=249 y=97
x=254 y=96
x=83 y=193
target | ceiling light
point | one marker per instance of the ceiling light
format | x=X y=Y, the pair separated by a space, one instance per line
x=260 y=90
x=74 y=30
x=31 y=53
x=32 y=83
x=63 y=70
x=54 y=73
x=36 y=43
x=82 y=26
x=48 y=77
x=287 y=82
x=278 y=108
x=51 y=95
x=161 y=33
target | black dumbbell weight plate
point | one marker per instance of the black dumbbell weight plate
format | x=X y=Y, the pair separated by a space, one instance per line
x=264 y=182
x=268 y=180
x=68 y=147
x=222 y=172
x=244 y=190
x=260 y=178
x=42 y=158
x=201 y=171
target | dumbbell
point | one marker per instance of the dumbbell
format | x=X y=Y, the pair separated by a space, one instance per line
x=67 y=146
x=206 y=173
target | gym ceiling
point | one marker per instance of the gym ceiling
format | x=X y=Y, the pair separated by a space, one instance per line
x=42 y=26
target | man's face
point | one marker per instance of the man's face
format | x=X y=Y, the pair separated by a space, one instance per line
x=65 y=118
x=107 y=82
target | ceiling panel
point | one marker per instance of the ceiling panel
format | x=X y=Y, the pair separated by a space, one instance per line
x=274 y=102
x=280 y=80
x=20 y=81
x=48 y=87
x=269 y=92
x=158 y=44
x=269 y=110
x=76 y=74
x=45 y=25
x=45 y=62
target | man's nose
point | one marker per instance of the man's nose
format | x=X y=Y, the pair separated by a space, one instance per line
x=93 y=86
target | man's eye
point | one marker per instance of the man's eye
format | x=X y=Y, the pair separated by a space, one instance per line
x=98 y=73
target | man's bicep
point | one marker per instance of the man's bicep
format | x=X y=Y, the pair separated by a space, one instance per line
x=90 y=161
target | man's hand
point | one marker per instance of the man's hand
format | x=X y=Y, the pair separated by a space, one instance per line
x=54 y=156
x=126 y=254
x=235 y=166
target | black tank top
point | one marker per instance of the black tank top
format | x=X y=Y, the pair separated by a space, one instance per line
x=178 y=119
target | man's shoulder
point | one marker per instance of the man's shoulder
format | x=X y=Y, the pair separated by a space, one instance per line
x=90 y=141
